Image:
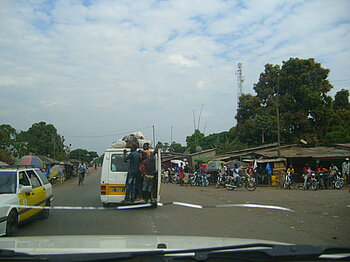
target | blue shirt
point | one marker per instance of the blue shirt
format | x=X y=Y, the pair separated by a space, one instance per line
x=134 y=162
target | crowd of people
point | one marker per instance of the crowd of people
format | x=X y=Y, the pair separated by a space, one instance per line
x=327 y=173
x=141 y=181
x=183 y=172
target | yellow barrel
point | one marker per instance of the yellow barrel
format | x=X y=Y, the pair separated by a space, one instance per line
x=274 y=180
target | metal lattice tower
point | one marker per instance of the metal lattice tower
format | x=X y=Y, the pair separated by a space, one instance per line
x=240 y=80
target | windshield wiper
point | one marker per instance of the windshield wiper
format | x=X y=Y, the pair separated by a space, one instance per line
x=271 y=252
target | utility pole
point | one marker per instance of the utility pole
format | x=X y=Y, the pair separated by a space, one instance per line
x=278 y=118
x=240 y=80
x=194 y=122
x=171 y=137
x=205 y=126
x=199 y=118
x=154 y=137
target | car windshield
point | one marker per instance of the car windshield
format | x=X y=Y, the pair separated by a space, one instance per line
x=224 y=119
x=8 y=182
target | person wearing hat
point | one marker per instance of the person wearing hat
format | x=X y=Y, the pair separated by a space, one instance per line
x=346 y=169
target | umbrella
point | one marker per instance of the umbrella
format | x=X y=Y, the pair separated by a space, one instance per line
x=3 y=164
x=202 y=159
x=232 y=164
x=33 y=161
x=213 y=166
x=56 y=170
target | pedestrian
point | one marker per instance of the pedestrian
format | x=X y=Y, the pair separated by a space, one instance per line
x=306 y=173
x=150 y=177
x=133 y=173
x=181 y=174
x=332 y=172
x=290 y=169
x=346 y=170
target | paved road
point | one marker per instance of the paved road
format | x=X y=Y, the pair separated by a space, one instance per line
x=320 y=217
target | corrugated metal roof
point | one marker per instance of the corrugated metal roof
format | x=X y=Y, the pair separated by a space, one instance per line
x=307 y=152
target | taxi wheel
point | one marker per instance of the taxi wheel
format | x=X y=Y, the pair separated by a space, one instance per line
x=12 y=224
x=44 y=214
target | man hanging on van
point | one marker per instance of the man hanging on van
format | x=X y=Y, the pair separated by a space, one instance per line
x=149 y=180
x=133 y=173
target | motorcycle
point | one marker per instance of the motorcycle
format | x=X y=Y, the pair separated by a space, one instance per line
x=314 y=184
x=175 y=179
x=165 y=179
x=247 y=181
x=197 y=179
x=221 y=181
x=287 y=180
x=193 y=180
x=338 y=181
x=321 y=177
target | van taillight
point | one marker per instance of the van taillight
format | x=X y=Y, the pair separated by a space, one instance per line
x=103 y=190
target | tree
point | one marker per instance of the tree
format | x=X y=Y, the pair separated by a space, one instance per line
x=43 y=139
x=342 y=100
x=177 y=147
x=196 y=139
x=83 y=155
x=298 y=89
x=7 y=136
x=339 y=131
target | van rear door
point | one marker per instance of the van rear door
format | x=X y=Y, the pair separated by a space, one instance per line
x=117 y=171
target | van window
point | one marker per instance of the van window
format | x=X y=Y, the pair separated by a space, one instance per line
x=118 y=164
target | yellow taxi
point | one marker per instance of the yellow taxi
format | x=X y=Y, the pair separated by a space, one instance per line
x=22 y=186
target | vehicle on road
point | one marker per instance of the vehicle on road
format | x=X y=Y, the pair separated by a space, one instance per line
x=81 y=177
x=248 y=182
x=338 y=180
x=175 y=179
x=114 y=173
x=197 y=179
x=22 y=186
x=287 y=180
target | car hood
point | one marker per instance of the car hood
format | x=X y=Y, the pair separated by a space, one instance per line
x=106 y=243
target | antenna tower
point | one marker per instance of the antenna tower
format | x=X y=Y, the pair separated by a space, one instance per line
x=240 y=80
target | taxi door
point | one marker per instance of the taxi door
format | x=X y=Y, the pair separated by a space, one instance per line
x=36 y=197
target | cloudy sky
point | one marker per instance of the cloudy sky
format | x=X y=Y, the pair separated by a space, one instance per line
x=97 y=69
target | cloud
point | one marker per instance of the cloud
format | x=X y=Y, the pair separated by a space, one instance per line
x=181 y=60
x=108 y=66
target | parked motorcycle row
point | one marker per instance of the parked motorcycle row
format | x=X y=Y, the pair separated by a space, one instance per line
x=230 y=182
x=315 y=181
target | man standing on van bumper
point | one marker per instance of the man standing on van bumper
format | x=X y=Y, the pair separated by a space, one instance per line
x=133 y=173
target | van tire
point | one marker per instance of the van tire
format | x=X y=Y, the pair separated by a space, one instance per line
x=12 y=224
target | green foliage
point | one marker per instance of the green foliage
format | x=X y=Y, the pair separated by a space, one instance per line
x=299 y=90
x=42 y=139
x=342 y=100
x=83 y=155
x=177 y=148
x=7 y=136
x=223 y=142
x=174 y=147
x=6 y=156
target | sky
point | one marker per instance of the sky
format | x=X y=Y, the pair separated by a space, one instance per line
x=98 y=70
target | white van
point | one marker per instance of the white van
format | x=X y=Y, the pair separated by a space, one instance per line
x=113 y=176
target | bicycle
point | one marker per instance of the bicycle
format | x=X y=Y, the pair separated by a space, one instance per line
x=81 y=178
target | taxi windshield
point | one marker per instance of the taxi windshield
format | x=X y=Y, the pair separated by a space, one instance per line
x=7 y=183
